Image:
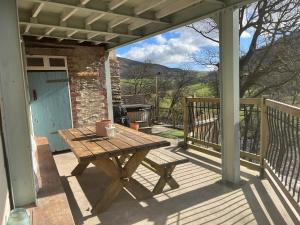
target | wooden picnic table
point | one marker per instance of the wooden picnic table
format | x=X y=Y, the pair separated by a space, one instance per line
x=109 y=155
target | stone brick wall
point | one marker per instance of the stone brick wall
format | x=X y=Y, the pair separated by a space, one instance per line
x=87 y=79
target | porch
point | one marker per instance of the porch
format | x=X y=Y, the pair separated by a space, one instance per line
x=201 y=198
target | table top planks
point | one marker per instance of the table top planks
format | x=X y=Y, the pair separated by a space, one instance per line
x=87 y=146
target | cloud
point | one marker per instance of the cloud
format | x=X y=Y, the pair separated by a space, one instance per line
x=172 y=48
x=160 y=39
x=245 y=34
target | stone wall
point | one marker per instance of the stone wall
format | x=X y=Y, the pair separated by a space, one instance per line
x=87 y=79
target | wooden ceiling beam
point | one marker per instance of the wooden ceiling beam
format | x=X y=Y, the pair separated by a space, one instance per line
x=116 y=3
x=37 y=9
x=84 y=2
x=89 y=36
x=79 y=29
x=68 y=5
x=137 y=24
x=68 y=12
x=148 y=5
x=49 y=30
x=70 y=33
x=175 y=7
x=93 y=18
x=73 y=39
x=117 y=22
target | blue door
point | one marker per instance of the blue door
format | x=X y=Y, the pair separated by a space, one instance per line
x=50 y=105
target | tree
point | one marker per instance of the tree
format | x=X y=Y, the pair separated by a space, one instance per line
x=140 y=79
x=180 y=81
x=274 y=28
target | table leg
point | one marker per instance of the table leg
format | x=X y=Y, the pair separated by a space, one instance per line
x=79 y=168
x=165 y=178
x=109 y=195
x=134 y=161
x=120 y=178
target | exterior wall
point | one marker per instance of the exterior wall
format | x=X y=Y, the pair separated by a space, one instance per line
x=4 y=201
x=87 y=79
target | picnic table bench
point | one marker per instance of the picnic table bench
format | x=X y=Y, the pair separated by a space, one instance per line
x=163 y=163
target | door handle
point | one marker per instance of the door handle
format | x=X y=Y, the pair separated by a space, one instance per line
x=34 y=95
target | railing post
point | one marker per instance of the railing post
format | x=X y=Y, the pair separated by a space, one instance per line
x=185 y=120
x=263 y=135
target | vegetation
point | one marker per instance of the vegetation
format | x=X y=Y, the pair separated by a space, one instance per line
x=172 y=133
x=270 y=66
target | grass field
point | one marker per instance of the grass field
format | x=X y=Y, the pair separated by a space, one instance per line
x=172 y=133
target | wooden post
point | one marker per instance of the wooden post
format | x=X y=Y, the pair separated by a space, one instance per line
x=264 y=135
x=185 y=120
x=108 y=87
x=230 y=91
x=157 y=97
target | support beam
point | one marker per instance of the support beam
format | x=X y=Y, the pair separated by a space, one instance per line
x=230 y=94
x=93 y=18
x=117 y=22
x=84 y=2
x=108 y=87
x=79 y=40
x=49 y=30
x=91 y=35
x=216 y=2
x=116 y=3
x=56 y=3
x=15 y=107
x=136 y=25
x=175 y=7
x=70 y=33
x=110 y=37
x=68 y=12
x=79 y=29
x=148 y=5
x=27 y=28
x=37 y=9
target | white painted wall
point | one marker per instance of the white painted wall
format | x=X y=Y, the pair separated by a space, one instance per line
x=14 y=107
x=4 y=201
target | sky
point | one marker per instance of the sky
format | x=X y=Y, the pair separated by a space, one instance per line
x=176 y=48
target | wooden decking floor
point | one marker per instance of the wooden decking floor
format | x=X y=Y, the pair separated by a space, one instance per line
x=201 y=198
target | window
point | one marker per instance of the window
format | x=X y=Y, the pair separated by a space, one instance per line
x=34 y=61
x=46 y=63
x=57 y=62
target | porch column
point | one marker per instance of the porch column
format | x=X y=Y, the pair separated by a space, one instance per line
x=108 y=87
x=14 y=107
x=230 y=100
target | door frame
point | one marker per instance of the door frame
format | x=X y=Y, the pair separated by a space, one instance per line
x=48 y=68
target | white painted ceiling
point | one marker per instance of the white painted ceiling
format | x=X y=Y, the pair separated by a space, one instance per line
x=112 y=23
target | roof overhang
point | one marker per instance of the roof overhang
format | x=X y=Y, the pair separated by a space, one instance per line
x=113 y=23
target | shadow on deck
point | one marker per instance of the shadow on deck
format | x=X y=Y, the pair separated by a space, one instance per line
x=200 y=199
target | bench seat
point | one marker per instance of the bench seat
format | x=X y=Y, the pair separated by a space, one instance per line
x=52 y=203
x=163 y=163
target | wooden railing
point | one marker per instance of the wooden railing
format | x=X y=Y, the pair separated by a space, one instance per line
x=282 y=154
x=269 y=136
x=203 y=132
x=173 y=118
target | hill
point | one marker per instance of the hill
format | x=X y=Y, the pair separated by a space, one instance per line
x=127 y=64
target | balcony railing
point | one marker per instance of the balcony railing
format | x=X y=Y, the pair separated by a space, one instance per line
x=166 y=116
x=283 y=144
x=269 y=136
